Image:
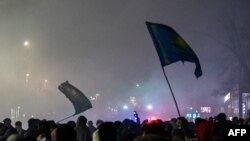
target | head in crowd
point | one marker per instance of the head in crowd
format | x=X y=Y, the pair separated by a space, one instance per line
x=52 y=125
x=32 y=123
x=65 y=132
x=81 y=121
x=198 y=121
x=7 y=122
x=99 y=122
x=221 y=117
x=107 y=132
x=44 y=129
x=182 y=122
x=90 y=123
x=18 y=124
x=1 y=125
x=154 y=127
x=72 y=123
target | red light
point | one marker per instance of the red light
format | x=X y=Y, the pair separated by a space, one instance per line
x=152 y=119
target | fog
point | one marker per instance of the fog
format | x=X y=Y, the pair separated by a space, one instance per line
x=104 y=47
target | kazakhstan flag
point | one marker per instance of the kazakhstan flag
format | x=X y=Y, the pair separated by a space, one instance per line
x=171 y=47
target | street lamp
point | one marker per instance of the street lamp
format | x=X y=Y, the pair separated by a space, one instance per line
x=18 y=112
x=125 y=107
x=27 y=77
x=96 y=95
x=26 y=43
x=137 y=85
x=149 y=107
x=45 y=82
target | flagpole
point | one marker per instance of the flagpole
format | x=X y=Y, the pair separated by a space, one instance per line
x=66 y=118
x=171 y=91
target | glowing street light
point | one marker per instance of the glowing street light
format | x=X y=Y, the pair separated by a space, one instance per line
x=125 y=107
x=149 y=107
x=137 y=85
x=45 y=82
x=26 y=43
x=27 y=77
x=18 y=112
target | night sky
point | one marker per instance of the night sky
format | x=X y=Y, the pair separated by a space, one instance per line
x=104 y=47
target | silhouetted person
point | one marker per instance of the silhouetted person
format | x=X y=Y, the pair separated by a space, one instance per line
x=5 y=126
x=7 y=129
x=204 y=130
x=72 y=123
x=182 y=124
x=18 y=126
x=44 y=129
x=32 y=130
x=91 y=127
x=107 y=132
x=65 y=132
x=119 y=128
x=82 y=130
x=52 y=125
x=99 y=122
x=155 y=127
x=219 y=126
x=1 y=125
x=235 y=120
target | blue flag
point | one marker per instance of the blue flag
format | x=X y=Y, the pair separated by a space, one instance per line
x=80 y=102
x=171 y=47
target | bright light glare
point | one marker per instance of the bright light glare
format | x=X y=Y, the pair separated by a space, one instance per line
x=149 y=107
x=26 y=43
x=125 y=107
x=152 y=118
x=137 y=85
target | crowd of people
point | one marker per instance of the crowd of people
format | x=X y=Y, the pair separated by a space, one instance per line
x=177 y=129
